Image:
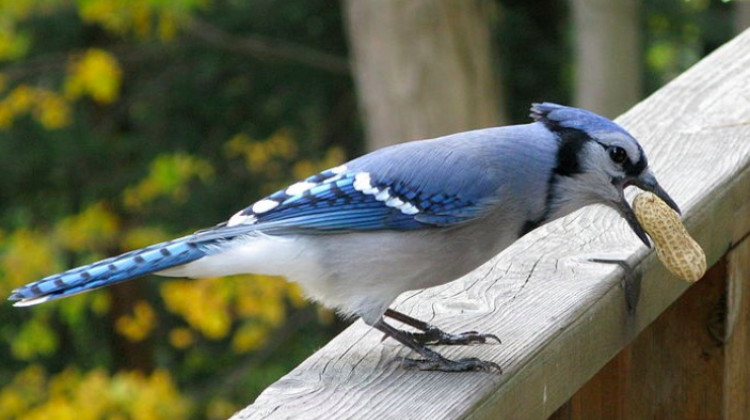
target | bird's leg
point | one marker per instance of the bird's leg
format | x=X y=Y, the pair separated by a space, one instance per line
x=432 y=359
x=433 y=335
x=631 y=282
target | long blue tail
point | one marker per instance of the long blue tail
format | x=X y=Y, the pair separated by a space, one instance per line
x=112 y=270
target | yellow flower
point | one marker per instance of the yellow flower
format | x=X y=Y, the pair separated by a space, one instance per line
x=93 y=228
x=169 y=175
x=28 y=255
x=49 y=108
x=96 y=74
x=138 y=326
x=142 y=18
x=52 y=111
x=7 y=115
x=21 y=98
x=211 y=318
x=92 y=395
x=249 y=337
x=263 y=156
x=140 y=237
x=35 y=338
x=181 y=338
x=167 y=26
x=13 y=44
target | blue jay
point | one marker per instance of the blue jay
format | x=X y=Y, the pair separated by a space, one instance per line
x=405 y=217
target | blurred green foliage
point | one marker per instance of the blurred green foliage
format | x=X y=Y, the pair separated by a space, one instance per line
x=535 y=38
x=128 y=122
x=122 y=125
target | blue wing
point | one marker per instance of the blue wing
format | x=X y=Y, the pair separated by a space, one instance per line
x=332 y=201
x=391 y=189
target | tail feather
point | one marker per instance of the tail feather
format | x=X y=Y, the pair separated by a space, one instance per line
x=112 y=270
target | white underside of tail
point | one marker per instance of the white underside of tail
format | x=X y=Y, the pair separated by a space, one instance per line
x=342 y=286
x=256 y=254
x=31 y=302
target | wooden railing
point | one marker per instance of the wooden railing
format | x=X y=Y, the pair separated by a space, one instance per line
x=583 y=339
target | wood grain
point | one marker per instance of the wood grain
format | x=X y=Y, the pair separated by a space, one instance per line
x=737 y=345
x=561 y=317
x=673 y=370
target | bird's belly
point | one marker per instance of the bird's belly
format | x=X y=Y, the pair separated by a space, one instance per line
x=362 y=273
x=356 y=273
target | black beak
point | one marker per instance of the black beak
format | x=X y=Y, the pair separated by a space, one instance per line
x=646 y=181
x=629 y=215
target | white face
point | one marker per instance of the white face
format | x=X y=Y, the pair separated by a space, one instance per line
x=608 y=166
x=609 y=163
x=605 y=160
x=598 y=172
x=622 y=166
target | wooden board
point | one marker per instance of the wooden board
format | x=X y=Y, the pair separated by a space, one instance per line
x=561 y=317
x=737 y=346
x=691 y=363
x=673 y=370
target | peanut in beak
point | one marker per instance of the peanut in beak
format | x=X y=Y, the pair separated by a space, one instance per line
x=679 y=252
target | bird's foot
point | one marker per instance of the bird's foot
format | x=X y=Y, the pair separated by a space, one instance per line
x=446 y=365
x=433 y=360
x=436 y=336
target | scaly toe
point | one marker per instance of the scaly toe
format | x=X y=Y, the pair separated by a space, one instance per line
x=447 y=365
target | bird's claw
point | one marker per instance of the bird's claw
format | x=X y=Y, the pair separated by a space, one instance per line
x=436 y=336
x=471 y=337
x=446 y=365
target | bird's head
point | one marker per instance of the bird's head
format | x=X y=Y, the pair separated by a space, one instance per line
x=596 y=160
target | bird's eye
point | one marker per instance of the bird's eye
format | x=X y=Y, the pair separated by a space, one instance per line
x=617 y=154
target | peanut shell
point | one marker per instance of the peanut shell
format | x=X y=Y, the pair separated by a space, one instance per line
x=679 y=252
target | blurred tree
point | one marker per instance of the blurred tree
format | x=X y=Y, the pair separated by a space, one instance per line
x=677 y=34
x=424 y=68
x=741 y=16
x=534 y=47
x=607 y=55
